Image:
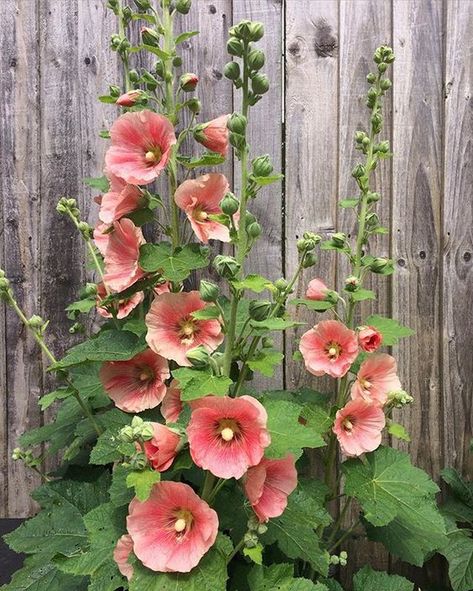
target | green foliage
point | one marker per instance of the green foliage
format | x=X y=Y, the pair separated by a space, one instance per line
x=280 y=577
x=196 y=383
x=101 y=183
x=262 y=326
x=142 y=482
x=265 y=361
x=38 y=575
x=255 y=283
x=120 y=494
x=368 y=579
x=205 y=159
x=391 y=330
x=173 y=265
x=398 y=431
x=315 y=305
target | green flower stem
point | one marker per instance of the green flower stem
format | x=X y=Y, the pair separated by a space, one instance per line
x=208 y=487
x=44 y=477
x=235 y=550
x=346 y=535
x=123 y=54
x=339 y=522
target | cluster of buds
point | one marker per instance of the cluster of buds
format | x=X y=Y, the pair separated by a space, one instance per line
x=5 y=290
x=237 y=137
x=340 y=559
x=255 y=529
x=306 y=245
x=382 y=266
x=26 y=456
x=183 y=6
x=399 y=398
x=352 y=283
x=38 y=325
x=199 y=357
x=68 y=206
x=226 y=266
x=139 y=430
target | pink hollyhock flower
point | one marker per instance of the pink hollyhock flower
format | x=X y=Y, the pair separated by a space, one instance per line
x=172 y=331
x=129 y=98
x=163 y=448
x=268 y=485
x=369 y=338
x=199 y=198
x=122 y=254
x=214 y=135
x=329 y=348
x=141 y=146
x=120 y=200
x=358 y=427
x=171 y=406
x=162 y=288
x=137 y=384
x=227 y=435
x=376 y=377
x=316 y=290
x=125 y=307
x=102 y=237
x=173 y=529
x=121 y=554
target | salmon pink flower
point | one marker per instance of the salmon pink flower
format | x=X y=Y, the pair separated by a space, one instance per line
x=316 y=290
x=358 y=427
x=102 y=237
x=171 y=406
x=137 y=384
x=122 y=254
x=121 y=554
x=173 y=331
x=200 y=198
x=123 y=307
x=369 y=338
x=162 y=448
x=268 y=485
x=376 y=377
x=141 y=146
x=120 y=200
x=162 y=288
x=128 y=99
x=214 y=135
x=329 y=348
x=173 y=529
x=227 y=435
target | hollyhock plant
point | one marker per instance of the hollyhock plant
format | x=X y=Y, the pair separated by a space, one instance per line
x=376 y=377
x=213 y=135
x=162 y=448
x=137 y=384
x=268 y=485
x=173 y=529
x=122 y=308
x=173 y=331
x=122 y=256
x=122 y=553
x=120 y=200
x=369 y=338
x=171 y=405
x=102 y=237
x=141 y=145
x=316 y=290
x=128 y=99
x=200 y=199
x=227 y=435
x=358 y=427
x=329 y=348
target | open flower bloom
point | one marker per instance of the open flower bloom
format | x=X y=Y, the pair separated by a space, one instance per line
x=376 y=377
x=137 y=384
x=162 y=448
x=214 y=135
x=316 y=290
x=173 y=529
x=199 y=198
x=171 y=406
x=268 y=485
x=121 y=554
x=173 y=331
x=123 y=307
x=102 y=237
x=120 y=200
x=141 y=146
x=369 y=338
x=358 y=427
x=329 y=348
x=122 y=255
x=227 y=435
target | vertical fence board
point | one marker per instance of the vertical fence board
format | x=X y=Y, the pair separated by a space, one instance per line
x=458 y=236
x=21 y=157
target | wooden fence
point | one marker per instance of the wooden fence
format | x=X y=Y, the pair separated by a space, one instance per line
x=55 y=61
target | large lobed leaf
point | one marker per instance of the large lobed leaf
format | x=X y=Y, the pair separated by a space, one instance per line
x=280 y=577
x=368 y=579
x=173 y=265
x=196 y=383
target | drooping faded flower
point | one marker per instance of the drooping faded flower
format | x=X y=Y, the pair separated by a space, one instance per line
x=173 y=529
x=162 y=448
x=137 y=384
x=122 y=256
x=121 y=554
x=376 y=377
x=200 y=198
x=171 y=406
x=329 y=348
x=358 y=427
x=173 y=331
x=123 y=307
x=141 y=146
x=121 y=199
x=316 y=290
x=268 y=485
x=213 y=135
x=227 y=435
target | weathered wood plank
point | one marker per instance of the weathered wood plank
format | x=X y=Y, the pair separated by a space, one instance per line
x=21 y=156
x=458 y=237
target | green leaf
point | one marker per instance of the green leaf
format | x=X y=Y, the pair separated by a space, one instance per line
x=262 y=181
x=59 y=394
x=207 y=313
x=106 y=98
x=109 y=449
x=196 y=383
x=174 y=266
x=361 y=295
x=40 y=576
x=80 y=307
x=109 y=345
x=120 y=495
x=391 y=330
x=274 y=324
x=280 y=577
x=294 y=531
x=184 y=36
x=100 y=182
x=287 y=433
x=143 y=482
x=164 y=55
x=459 y=553
x=142 y=216
x=398 y=431
x=255 y=283
x=460 y=487
x=265 y=361
x=206 y=159
x=210 y=573
x=348 y=203
x=254 y=554
x=316 y=305
x=368 y=579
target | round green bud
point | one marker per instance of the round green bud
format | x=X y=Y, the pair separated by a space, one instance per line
x=232 y=71
x=90 y=289
x=399 y=398
x=309 y=260
x=260 y=309
x=343 y=555
x=194 y=106
x=229 y=204
x=262 y=166
x=358 y=171
x=250 y=539
x=262 y=529
x=334 y=559
x=237 y=140
x=281 y=284
x=382 y=67
x=352 y=283
x=159 y=69
x=17 y=454
x=373 y=197
x=36 y=322
x=260 y=83
x=267 y=343
x=114 y=91
x=380 y=265
x=386 y=84
x=4 y=284
x=339 y=239
x=359 y=136
x=177 y=61
x=139 y=462
x=133 y=76
x=136 y=422
x=256 y=59
x=255 y=31
x=254 y=230
x=188 y=82
x=126 y=434
x=226 y=266
x=150 y=37
x=183 y=6
x=253 y=523
x=234 y=47
x=301 y=245
x=199 y=357
x=209 y=292
x=237 y=123
x=147 y=431
x=371 y=78
x=313 y=237
x=366 y=141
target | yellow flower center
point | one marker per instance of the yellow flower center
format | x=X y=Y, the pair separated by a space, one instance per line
x=199 y=215
x=180 y=525
x=227 y=434
x=333 y=350
x=228 y=429
x=154 y=155
x=347 y=424
x=187 y=330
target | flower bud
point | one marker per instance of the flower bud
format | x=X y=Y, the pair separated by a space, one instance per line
x=209 y=292
x=373 y=197
x=136 y=424
x=359 y=136
x=399 y=398
x=90 y=289
x=129 y=98
x=4 y=284
x=232 y=71
x=36 y=322
x=334 y=559
x=301 y=245
x=352 y=283
x=183 y=6
x=255 y=31
x=237 y=123
x=17 y=454
x=372 y=221
x=229 y=204
x=262 y=166
x=315 y=238
x=358 y=171
x=149 y=37
x=194 y=106
x=260 y=84
x=267 y=343
x=138 y=461
x=142 y=4
x=133 y=76
x=237 y=140
x=261 y=529
x=188 y=82
x=381 y=265
x=371 y=78
x=376 y=122
x=339 y=239
x=309 y=260
x=177 y=61
x=147 y=431
x=281 y=284
x=254 y=230
x=126 y=434
x=159 y=69
x=260 y=309
x=256 y=59
x=85 y=229
x=199 y=357
x=234 y=47
x=250 y=539
x=382 y=147
x=226 y=266
x=253 y=523
x=385 y=84
x=76 y=328
x=114 y=91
